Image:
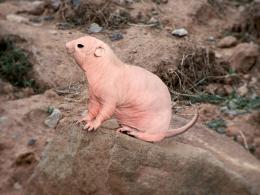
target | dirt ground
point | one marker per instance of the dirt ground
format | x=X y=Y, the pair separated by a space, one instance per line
x=185 y=64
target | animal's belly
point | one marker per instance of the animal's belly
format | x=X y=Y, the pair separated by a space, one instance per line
x=144 y=120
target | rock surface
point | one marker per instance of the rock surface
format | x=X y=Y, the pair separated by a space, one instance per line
x=53 y=119
x=106 y=162
x=244 y=57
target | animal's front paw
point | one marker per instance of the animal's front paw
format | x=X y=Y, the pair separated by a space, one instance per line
x=92 y=125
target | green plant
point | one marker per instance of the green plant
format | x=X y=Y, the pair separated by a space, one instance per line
x=50 y=109
x=218 y=125
x=14 y=65
x=231 y=102
x=208 y=98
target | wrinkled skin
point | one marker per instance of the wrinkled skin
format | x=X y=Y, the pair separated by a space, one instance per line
x=137 y=98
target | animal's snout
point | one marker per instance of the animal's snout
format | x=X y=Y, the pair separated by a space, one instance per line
x=70 y=48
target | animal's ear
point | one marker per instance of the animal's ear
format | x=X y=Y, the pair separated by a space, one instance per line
x=99 y=51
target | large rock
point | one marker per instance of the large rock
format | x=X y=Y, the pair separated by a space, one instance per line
x=106 y=162
x=244 y=57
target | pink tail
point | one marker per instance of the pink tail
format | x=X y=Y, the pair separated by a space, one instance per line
x=174 y=132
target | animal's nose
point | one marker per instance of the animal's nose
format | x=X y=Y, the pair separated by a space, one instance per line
x=69 y=47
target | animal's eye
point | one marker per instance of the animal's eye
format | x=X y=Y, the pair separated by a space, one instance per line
x=80 y=46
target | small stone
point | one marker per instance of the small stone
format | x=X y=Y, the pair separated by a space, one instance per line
x=53 y=32
x=95 y=28
x=228 y=89
x=3 y=119
x=48 y=140
x=116 y=37
x=212 y=88
x=36 y=20
x=218 y=55
x=17 y=186
x=37 y=8
x=253 y=81
x=53 y=119
x=211 y=39
x=180 y=32
x=31 y=142
x=153 y=21
x=243 y=90
x=75 y=3
x=227 y=42
x=55 y=4
x=160 y=1
x=17 y=19
x=48 y=18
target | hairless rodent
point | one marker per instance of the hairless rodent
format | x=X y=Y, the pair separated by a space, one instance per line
x=137 y=98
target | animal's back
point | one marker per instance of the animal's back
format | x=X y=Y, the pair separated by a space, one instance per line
x=145 y=101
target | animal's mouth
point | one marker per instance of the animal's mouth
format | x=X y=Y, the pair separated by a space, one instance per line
x=70 y=51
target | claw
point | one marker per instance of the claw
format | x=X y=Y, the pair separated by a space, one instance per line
x=91 y=125
x=86 y=126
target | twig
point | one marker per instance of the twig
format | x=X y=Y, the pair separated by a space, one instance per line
x=141 y=25
x=244 y=139
x=182 y=94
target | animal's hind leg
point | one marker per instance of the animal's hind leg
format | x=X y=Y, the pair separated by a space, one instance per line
x=147 y=137
x=125 y=129
x=141 y=135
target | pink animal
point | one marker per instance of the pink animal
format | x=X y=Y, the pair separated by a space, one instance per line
x=137 y=98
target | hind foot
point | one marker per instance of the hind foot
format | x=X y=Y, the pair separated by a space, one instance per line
x=125 y=129
x=146 y=136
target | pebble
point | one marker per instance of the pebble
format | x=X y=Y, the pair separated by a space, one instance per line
x=211 y=39
x=243 y=90
x=116 y=37
x=55 y=4
x=95 y=28
x=48 y=18
x=17 y=186
x=3 y=119
x=53 y=119
x=36 y=20
x=53 y=32
x=37 y=8
x=180 y=32
x=153 y=21
x=75 y=3
x=31 y=142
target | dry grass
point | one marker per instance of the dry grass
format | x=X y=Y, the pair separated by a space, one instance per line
x=106 y=13
x=196 y=67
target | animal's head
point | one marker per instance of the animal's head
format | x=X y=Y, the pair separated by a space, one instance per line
x=86 y=49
